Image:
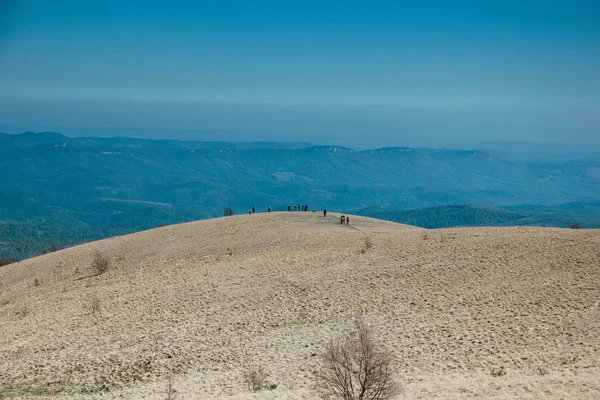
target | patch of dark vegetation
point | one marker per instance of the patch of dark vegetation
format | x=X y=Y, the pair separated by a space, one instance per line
x=6 y=261
x=100 y=264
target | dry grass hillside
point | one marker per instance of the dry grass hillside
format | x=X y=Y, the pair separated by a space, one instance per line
x=200 y=302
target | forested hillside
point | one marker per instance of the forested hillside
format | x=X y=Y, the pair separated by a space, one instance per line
x=580 y=214
x=67 y=190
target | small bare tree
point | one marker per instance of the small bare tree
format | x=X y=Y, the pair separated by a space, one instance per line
x=255 y=378
x=575 y=225
x=100 y=263
x=228 y=211
x=356 y=367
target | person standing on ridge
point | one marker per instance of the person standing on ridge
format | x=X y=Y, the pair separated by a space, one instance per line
x=269 y=209
x=324 y=213
x=289 y=208
x=342 y=219
x=252 y=209
x=348 y=220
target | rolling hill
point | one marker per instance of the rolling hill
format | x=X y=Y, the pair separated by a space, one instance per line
x=202 y=301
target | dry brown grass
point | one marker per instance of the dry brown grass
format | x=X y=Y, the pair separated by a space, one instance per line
x=172 y=303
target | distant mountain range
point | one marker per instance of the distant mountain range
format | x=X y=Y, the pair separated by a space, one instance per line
x=584 y=214
x=54 y=187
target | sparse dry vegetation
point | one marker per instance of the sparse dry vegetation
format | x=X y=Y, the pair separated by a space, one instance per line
x=94 y=304
x=171 y=392
x=541 y=371
x=22 y=311
x=36 y=282
x=255 y=378
x=100 y=263
x=368 y=242
x=172 y=303
x=498 y=371
x=228 y=211
x=575 y=225
x=357 y=367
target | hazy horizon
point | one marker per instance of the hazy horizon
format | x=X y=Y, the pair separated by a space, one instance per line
x=510 y=147
x=434 y=74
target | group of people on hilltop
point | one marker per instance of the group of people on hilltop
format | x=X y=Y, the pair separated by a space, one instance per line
x=343 y=219
x=303 y=207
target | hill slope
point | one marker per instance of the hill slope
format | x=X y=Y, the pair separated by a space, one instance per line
x=202 y=301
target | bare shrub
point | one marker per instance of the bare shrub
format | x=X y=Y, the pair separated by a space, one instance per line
x=255 y=378
x=229 y=252
x=94 y=304
x=368 y=242
x=228 y=211
x=575 y=225
x=22 y=311
x=356 y=367
x=496 y=372
x=541 y=371
x=53 y=248
x=36 y=282
x=290 y=383
x=171 y=392
x=100 y=264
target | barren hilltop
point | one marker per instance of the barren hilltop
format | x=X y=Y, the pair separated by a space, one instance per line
x=196 y=304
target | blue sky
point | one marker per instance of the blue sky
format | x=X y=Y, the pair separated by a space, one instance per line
x=403 y=73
